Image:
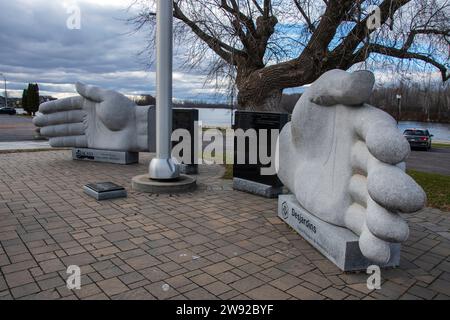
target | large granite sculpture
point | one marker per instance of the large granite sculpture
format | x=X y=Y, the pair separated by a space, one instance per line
x=97 y=119
x=344 y=162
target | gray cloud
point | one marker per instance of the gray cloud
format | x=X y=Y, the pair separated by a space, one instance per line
x=36 y=46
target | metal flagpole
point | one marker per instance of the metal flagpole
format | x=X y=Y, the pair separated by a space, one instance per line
x=163 y=167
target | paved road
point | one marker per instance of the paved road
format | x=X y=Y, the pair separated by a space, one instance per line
x=437 y=160
x=23 y=145
x=16 y=128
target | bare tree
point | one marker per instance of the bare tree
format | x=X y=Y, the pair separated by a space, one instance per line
x=427 y=101
x=266 y=46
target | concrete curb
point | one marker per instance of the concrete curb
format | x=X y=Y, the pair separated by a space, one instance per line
x=31 y=150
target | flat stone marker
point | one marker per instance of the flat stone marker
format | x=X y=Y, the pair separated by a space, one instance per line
x=105 y=190
x=257 y=188
x=107 y=156
x=338 y=244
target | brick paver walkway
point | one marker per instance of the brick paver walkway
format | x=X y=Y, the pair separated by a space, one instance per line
x=213 y=243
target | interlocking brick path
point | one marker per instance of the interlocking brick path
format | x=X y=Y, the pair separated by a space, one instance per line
x=215 y=243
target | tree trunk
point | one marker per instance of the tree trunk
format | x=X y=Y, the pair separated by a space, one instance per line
x=256 y=95
x=261 y=89
x=255 y=100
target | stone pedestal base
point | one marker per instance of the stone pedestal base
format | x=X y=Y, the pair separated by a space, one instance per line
x=144 y=184
x=338 y=244
x=107 y=156
x=256 y=188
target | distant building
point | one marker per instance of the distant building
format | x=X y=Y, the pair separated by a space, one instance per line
x=17 y=102
x=43 y=99
x=12 y=102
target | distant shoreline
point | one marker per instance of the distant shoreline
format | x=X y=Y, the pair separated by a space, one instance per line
x=429 y=121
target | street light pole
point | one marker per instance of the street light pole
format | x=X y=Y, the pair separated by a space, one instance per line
x=162 y=167
x=399 y=107
x=6 y=92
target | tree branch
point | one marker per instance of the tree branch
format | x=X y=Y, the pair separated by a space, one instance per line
x=224 y=50
x=401 y=54
x=255 y=2
x=267 y=8
x=241 y=17
x=409 y=41
x=309 y=23
x=360 y=31
x=326 y=30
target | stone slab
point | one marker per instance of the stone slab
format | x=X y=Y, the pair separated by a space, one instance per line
x=338 y=244
x=105 y=191
x=250 y=120
x=106 y=156
x=257 y=188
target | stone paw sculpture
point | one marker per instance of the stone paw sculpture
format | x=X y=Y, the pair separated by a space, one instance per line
x=344 y=161
x=97 y=119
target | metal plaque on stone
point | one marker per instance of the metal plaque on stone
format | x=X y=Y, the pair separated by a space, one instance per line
x=106 y=156
x=105 y=190
x=339 y=245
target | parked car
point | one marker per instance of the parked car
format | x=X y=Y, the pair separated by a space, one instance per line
x=419 y=138
x=10 y=111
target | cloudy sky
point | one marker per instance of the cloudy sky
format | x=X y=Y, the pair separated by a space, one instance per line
x=37 y=46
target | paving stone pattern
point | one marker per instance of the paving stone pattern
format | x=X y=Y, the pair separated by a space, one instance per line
x=214 y=243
